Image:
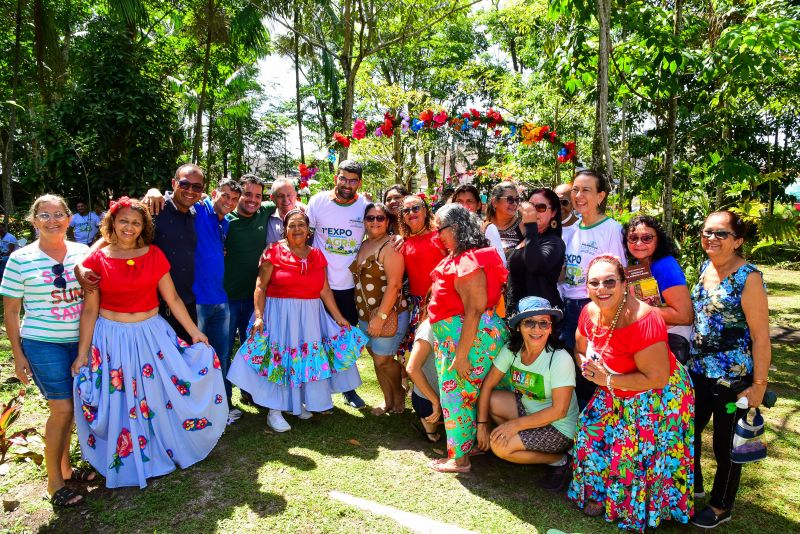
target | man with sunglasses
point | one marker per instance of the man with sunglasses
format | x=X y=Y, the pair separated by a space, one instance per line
x=569 y=218
x=337 y=218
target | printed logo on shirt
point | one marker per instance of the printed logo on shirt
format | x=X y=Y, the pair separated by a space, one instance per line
x=590 y=248
x=340 y=241
x=528 y=384
x=60 y=299
x=573 y=274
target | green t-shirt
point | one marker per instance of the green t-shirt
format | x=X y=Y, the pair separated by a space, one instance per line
x=535 y=383
x=247 y=237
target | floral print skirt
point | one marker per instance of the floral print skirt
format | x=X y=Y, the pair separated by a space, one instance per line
x=147 y=402
x=635 y=455
x=301 y=358
x=459 y=397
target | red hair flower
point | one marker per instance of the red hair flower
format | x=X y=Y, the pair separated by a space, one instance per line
x=115 y=206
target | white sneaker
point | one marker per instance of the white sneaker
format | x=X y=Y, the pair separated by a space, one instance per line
x=234 y=414
x=305 y=414
x=276 y=421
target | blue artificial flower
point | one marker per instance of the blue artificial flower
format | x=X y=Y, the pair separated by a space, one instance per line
x=416 y=125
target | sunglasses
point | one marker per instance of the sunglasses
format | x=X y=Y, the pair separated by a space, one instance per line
x=541 y=208
x=608 y=283
x=412 y=209
x=58 y=216
x=719 y=234
x=186 y=185
x=60 y=282
x=564 y=202
x=510 y=199
x=446 y=226
x=375 y=218
x=531 y=323
x=644 y=238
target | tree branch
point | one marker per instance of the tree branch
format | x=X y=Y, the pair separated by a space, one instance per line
x=627 y=84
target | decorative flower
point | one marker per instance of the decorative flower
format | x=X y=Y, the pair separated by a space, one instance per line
x=218 y=399
x=426 y=116
x=117 y=381
x=378 y=132
x=203 y=371
x=552 y=136
x=332 y=155
x=217 y=365
x=440 y=119
x=115 y=206
x=474 y=113
x=341 y=139
x=145 y=409
x=405 y=123
x=97 y=359
x=388 y=124
x=91 y=440
x=147 y=370
x=417 y=125
x=124 y=443
x=448 y=386
x=142 y=442
x=89 y=412
x=359 y=129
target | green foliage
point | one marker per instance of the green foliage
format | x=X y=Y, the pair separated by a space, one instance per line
x=16 y=443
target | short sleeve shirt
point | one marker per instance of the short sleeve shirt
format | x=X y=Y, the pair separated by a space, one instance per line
x=422 y=253
x=209 y=256
x=51 y=314
x=294 y=277
x=177 y=238
x=535 y=383
x=586 y=243
x=5 y=242
x=244 y=245
x=85 y=227
x=668 y=273
x=338 y=233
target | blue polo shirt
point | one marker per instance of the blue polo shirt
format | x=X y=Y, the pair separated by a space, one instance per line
x=209 y=256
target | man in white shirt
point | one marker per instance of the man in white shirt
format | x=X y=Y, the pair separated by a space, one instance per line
x=569 y=219
x=85 y=224
x=8 y=244
x=337 y=218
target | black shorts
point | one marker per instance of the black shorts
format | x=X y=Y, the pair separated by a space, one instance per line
x=421 y=405
x=346 y=302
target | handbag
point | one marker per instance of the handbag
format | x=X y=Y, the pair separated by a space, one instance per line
x=747 y=445
x=389 y=328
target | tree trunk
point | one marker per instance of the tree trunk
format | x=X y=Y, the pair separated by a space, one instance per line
x=297 y=85
x=239 y=154
x=557 y=176
x=672 y=124
x=623 y=157
x=210 y=139
x=39 y=46
x=600 y=146
x=198 y=126
x=225 y=154
x=512 y=49
x=397 y=156
x=8 y=155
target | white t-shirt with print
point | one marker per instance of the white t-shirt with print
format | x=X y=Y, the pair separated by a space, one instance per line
x=85 y=227
x=338 y=232
x=587 y=242
x=51 y=314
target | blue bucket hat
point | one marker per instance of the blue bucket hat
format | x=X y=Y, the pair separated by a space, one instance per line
x=530 y=306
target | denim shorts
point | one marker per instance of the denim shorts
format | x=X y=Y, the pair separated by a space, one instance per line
x=387 y=346
x=50 y=365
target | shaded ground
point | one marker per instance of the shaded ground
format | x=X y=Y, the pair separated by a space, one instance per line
x=256 y=480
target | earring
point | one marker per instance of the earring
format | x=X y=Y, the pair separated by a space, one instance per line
x=553 y=224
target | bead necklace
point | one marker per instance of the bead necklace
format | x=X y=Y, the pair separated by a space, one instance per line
x=610 y=332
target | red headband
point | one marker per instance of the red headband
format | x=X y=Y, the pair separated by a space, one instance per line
x=114 y=206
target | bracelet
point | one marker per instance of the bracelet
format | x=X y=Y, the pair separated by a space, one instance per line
x=608 y=381
x=760 y=382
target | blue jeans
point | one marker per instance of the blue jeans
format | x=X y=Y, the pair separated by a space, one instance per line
x=241 y=311
x=51 y=366
x=214 y=321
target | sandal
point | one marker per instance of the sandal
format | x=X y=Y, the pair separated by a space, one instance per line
x=83 y=474
x=64 y=498
x=594 y=509
x=444 y=465
x=431 y=437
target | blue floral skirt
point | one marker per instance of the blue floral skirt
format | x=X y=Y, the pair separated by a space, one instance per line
x=302 y=357
x=635 y=455
x=147 y=402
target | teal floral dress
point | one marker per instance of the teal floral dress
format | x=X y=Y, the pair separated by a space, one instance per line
x=634 y=452
x=721 y=343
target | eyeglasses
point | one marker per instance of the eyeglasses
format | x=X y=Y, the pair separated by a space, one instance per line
x=348 y=181
x=375 y=218
x=644 y=238
x=510 y=199
x=541 y=208
x=412 y=209
x=58 y=216
x=59 y=281
x=608 y=283
x=195 y=187
x=531 y=323
x=564 y=202
x=719 y=234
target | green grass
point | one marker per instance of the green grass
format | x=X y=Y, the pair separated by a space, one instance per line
x=256 y=480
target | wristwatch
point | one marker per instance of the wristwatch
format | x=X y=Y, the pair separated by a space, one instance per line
x=383 y=316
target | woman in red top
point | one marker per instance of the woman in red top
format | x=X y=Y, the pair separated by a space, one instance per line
x=296 y=356
x=145 y=402
x=468 y=334
x=634 y=455
x=422 y=252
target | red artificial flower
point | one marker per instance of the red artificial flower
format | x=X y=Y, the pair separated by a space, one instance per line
x=475 y=113
x=387 y=128
x=341 y=139
x=303 y=168
x=440 y=118
x=497 y=133
x=426 y=116
x=475 y=124
x=303 y=184
x=115 y=206
x=553 y=136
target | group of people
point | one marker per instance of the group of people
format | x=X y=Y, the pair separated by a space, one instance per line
x=513 y=321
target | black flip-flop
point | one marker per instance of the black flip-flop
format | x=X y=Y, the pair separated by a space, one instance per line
x=425 y=434
x=63 y=497
x=83 y=474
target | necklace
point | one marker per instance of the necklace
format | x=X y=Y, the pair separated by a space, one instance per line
x=418 y=233
x=610 y=331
